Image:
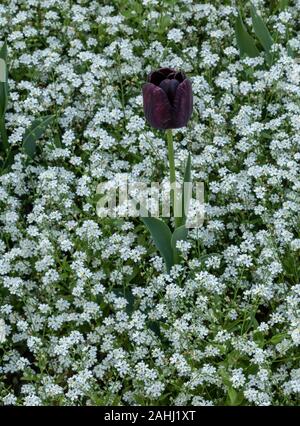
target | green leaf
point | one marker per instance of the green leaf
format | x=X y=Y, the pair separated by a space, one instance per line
x=186 y=197
x=127 y=294
x=34 y=132
x=290 y=51
x=245 y=42
x=282 y=4
x=235 y=398
x=3 y=80
x=57 y=141
x=2 y=70
x=161 y=235
x=259 y=338
x=163 y=24
x=261 y=30
x=277 y=338
x=8 y=161
x=180 y=233
x=154 y=326
x=3 y=135
x=225 y=376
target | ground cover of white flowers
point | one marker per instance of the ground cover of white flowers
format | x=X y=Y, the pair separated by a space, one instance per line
x=88 y=314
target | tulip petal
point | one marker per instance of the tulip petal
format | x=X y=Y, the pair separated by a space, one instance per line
x=183 y=104
x=166 y=71
x=157 y=108
x=170 y=86
x=171 y=75
x=180 y=76
x=157 y=76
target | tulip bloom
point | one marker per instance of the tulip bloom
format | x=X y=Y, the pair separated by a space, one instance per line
x=168 y=99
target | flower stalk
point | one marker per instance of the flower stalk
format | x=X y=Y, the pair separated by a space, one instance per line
x=172 y=174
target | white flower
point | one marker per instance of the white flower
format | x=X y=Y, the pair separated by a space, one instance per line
x=175 y=35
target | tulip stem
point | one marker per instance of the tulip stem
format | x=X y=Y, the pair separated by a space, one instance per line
x=172 y=172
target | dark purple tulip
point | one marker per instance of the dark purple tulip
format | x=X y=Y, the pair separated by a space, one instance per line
x=168 y=99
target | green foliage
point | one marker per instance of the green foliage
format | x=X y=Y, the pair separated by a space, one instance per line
x=34 y=132
x=3 y=97
x=262 y=32
x=279 y=5
x=180 y=233
x=185 y=194
x=193 y=334
x=161 y=235
x=3 y=80
x=127 y=294
x=164 y=240
x=245 y=42
x=235 y=398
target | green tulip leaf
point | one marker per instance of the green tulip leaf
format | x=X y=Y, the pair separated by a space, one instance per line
x=3 y=80
x=2 y=71
x=3 y=96
x=126 y=294
x=161 y=235
x=245 y=42
x=34 y=132
x=179 y=234
x=261 y=31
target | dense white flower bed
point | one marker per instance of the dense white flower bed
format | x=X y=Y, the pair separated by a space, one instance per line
x=88 y=314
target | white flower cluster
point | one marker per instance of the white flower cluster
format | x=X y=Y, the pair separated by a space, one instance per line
x=88 y=315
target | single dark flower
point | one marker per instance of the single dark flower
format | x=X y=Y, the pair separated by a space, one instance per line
x=168 y=99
